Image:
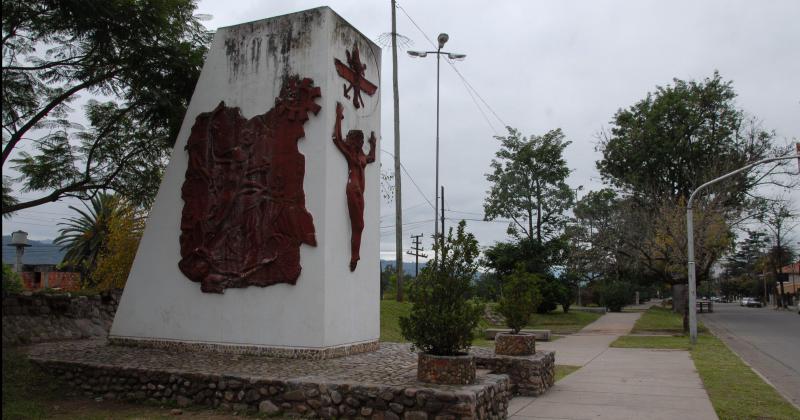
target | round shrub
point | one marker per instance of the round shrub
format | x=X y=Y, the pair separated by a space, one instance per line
x=443 y=318
x=520 y=298
x=615 y=295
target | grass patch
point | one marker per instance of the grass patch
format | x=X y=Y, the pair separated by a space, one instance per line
x=669 y=342
x=735 y=390
x=661 y=320
x=564 y=370
x=559 y=322
x=23 y=387
x=391 y=311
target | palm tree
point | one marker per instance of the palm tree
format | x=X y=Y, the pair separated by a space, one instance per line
x=84 y=236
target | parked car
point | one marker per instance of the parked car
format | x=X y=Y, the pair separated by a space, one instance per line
x=750 y=302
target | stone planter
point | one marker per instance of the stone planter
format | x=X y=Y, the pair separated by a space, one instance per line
x=509 y=344
x=452 y=370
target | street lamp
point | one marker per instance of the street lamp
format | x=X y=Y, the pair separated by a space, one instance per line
x=690 y=239
x=442 y=39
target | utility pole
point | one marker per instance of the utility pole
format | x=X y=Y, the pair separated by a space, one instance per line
x=443 y=234
x=415 y=239
x=398 y=196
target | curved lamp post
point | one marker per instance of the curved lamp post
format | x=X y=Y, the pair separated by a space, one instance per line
x=690 y=240
x=453 y=56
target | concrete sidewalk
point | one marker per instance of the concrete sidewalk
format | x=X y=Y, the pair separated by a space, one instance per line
x=617 y=383
x=624 y=384
x=580 y=348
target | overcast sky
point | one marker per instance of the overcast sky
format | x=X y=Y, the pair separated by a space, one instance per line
x=539 y=65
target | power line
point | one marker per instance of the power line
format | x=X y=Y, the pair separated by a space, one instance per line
x=408 y=223
x=461 y=76
x=411 y=178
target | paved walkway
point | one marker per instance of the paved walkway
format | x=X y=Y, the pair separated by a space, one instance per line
x=624 y=384
x=617 y=383
x=582 y=347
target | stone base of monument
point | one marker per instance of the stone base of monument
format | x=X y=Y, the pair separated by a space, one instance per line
x=380 y=385
x=531 y=375
x=281 y=352
x=446 y=370
x=508 y=344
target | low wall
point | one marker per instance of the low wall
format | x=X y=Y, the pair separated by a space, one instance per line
x=38 y=317
x=529 y=375
x=487 y=399
x=36 y=280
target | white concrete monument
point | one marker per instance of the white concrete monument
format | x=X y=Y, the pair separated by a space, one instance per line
x=254 y=241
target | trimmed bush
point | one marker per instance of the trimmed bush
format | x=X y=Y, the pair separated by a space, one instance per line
x=615 y=295
x=443 y=318
x=520 y=298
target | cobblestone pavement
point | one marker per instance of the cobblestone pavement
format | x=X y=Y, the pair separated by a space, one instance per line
x=394 y=364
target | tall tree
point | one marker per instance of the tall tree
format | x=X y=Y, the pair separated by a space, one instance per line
x=84 y=236
x=682 y=135
x=529 y=185
x=142 y=56
x=660 y=149
x=780 y=219
x=125 y=228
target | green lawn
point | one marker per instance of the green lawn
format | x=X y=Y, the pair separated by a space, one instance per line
x=660 y=321
x=564 y=370
x=391 y=311
x=736 y=391
x=559 y=322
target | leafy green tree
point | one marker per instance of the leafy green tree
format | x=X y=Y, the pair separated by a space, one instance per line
x=659 y=150
x=125 y=229
x=443 y=317
x=143 y=56
x=11 y=281
x=84 y=236
x=780 y=218
x=488 y=286
x=386 y=278
x=679 y=137
x=529 y=185
x=520 y=298
x=552 y=292
x=593 y=246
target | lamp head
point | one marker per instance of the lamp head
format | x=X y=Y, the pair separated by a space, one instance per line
x=417 y=53
x=456 y=56
x=442 y=40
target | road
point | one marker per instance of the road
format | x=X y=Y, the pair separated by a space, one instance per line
x=768 y=340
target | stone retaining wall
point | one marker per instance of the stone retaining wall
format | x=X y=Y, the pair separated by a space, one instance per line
x=38 y=317
x=487 y=399
x=529 y=375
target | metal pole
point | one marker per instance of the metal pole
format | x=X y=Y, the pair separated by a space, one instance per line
x=436 y=209
x=692 y=281
x=398 y=195
x=690 y=239
x=443 y=217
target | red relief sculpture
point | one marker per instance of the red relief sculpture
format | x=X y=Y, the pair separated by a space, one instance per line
x=352 y=149
x=244 y=215
x=353 y=72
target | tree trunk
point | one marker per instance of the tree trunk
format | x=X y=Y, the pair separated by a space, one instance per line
x=680 y=297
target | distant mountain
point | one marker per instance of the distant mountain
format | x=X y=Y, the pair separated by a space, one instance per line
x=40 y=252
x=408 y=267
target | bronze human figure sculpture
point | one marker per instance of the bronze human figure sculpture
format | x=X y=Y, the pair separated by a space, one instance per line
x=352 y=149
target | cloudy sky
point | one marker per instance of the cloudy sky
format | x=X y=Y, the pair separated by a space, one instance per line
x=536 y=66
